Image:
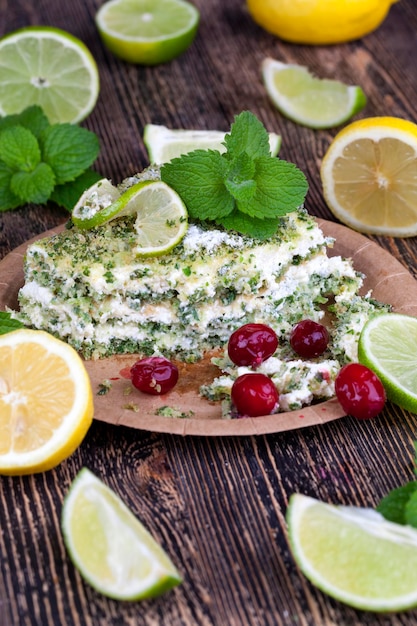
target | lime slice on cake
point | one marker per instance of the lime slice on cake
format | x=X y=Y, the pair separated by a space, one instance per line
x=354 y=554
x=164 y=144
x=93 y=203
x=147 y=32
x=109 y=546
x=388 y=346
x=48 y=67
x=161 y=216
x=307 y=100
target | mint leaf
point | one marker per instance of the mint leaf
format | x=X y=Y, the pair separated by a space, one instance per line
x=35 y=186
x=68 y=194
x=7 y=323
x=38 y=160
x=239 y=181
x=247 y=134
x=198 y=177
x=410 y=512
x=246 y=184
x=33 y=118
x=393 y=505
x=252 y=226
x=8 y=200
x=19 y=148
x=280 y=188
x=69 y=150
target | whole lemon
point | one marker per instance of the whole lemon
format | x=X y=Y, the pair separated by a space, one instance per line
x=319 y=22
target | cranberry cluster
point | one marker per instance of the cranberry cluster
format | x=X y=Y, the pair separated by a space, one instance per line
x=358 y=389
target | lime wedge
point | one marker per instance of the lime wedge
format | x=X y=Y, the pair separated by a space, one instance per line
x=354 y=554
x=164 y=144
x=310 y=101
x=109 y=546
x=147 y=32
x=388 y=346
x=48 y=67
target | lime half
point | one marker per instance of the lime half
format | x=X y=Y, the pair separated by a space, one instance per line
x=109 y=546
x=310 y=101
x=48 y=67
x=164 y=144
x=147 y=32
x=388 y=346
x=354 y=554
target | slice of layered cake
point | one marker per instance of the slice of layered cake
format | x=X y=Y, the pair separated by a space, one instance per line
x=88 y=288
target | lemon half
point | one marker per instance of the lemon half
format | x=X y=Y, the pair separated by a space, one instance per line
x=46 y=401
x=319 y=22
x=369 y=176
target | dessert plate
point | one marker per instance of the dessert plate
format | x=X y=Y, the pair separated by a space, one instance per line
x=183 y=411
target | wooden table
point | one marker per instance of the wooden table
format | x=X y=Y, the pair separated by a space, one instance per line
x=217 y=505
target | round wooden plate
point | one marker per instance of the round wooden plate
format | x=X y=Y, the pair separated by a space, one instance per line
x=388 y=279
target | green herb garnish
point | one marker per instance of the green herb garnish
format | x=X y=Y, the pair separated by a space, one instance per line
x=400 y=504
x=7 y=323
x=245 y=189
x=41 y=162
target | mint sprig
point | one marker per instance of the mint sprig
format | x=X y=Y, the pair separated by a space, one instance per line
x=41 y=162
x=245 y=189
x=400 y=504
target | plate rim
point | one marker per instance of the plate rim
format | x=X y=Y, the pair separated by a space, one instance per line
x=391 y=277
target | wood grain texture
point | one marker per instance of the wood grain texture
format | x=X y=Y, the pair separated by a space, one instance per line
x=216 y=505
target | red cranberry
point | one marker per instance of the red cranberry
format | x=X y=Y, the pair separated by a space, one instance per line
x=309 y=339
x=252 y=344
x=254 y=395
x=154 y=375
x=360 y=391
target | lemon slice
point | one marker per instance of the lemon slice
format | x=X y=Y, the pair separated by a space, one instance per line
x=46 y=404
x=354 y=554
x=369 y=176
x=388 y=346
x=111 y=549
x=164 y=144
x=147 y=32
x=48 y=67
x=310 y=101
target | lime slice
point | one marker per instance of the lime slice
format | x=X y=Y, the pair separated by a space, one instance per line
x=388 y=346
x=310 y=101
x=164 y=144
x=148 y=32
x=354 y=554
x=48 y=67
x=161 y=216
x=109 y=546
